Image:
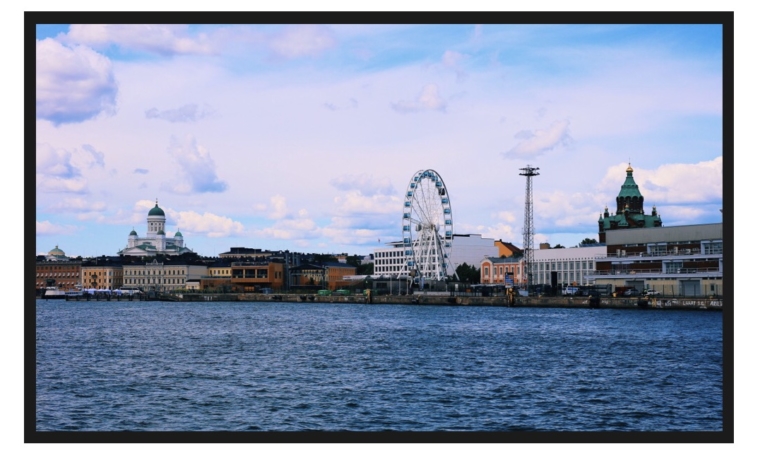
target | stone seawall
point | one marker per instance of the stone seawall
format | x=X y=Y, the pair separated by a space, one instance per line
x=447 y=300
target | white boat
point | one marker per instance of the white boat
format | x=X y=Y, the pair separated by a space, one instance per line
x=74 y=294
x=54 y=293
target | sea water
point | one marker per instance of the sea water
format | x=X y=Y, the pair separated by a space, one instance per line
x=213 y=366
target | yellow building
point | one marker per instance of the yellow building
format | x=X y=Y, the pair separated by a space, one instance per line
x=165 y=276
x=102 y=277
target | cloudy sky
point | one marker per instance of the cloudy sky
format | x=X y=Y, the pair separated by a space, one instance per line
x=304 y=137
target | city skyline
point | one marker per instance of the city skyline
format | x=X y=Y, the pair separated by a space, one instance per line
x=305 y=137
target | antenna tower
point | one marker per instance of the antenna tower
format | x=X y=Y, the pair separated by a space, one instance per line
x=528 y=172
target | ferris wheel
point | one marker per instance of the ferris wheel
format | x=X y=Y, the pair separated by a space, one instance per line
x=427 y=226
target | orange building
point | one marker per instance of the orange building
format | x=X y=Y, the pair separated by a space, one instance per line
x=506 y=249
x=328 y=276
x=494 y=270
x=335 y=274
x=250 y=277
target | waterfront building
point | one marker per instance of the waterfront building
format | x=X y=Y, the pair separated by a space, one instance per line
x=465 y=248
x=246 y=253
x=496 y=270
x=571 y=266
x=389 y=260
x=164 y=276
x=249 y=254
x=675 y=261
x=251 y=276
x=155 y=241
x=568 y=266
x=64 y=274
x=629 y=212
x=220 y=270
x=336 y=273
x=471 y=248
x=331 y=276
x=219 y=277
x=102 y=275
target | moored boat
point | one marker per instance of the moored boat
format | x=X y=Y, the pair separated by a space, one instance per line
x=54 y=293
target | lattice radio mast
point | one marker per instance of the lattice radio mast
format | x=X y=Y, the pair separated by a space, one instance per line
x=528 y=172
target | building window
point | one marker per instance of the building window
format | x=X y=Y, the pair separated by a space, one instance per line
x=673 y=267
x=713 y=248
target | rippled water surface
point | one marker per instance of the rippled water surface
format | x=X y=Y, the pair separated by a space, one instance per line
x=278 y=366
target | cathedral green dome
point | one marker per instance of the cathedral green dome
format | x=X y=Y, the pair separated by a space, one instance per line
x=133 y=232
x=177 y=234
x=156 y=211
x=56 y=252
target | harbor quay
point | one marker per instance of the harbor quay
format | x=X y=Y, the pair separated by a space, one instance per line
x=440 y=299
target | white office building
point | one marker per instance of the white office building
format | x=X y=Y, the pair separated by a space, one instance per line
x=465 y=248
x=574 y=266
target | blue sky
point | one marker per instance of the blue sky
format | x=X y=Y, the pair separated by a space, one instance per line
x=305 y=137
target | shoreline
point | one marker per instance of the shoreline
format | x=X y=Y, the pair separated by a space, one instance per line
x=445 y=299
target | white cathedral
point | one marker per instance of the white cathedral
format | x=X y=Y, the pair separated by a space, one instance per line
x=155 y=242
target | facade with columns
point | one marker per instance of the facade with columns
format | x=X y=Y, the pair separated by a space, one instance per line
x=155 y=241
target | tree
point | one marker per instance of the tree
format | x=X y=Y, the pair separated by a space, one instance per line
x=559 y=246
x=322 y=258
x=468 y=273
x=365 y=269
x=588 y=241
x=354 y=260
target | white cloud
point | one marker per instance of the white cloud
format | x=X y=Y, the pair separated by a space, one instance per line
x=191 y=223
x=45 y=228
x=302 y=40
x=503 y=231
x=278 y=207
x=186 y=113
x=154 y=38
x=506 y=216
x=197 y=167
x=54 y=162
x=428 y=100
x=290 y=229
x=562 y=210
x=77 y=205
x=536 y=142
x=673 y=183
x=72 y=84
x=357 y=204
x=356 y=236
x=364 y=184
x=55 y=184
x=97 y=158
x=212 y=225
